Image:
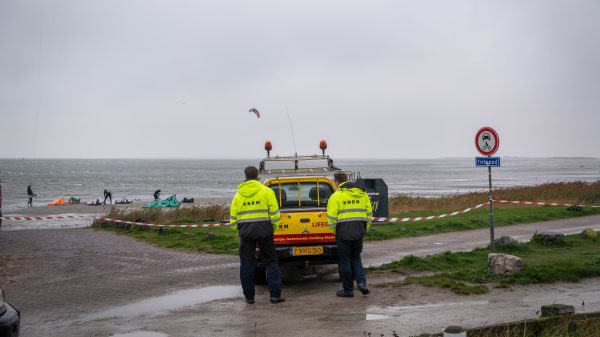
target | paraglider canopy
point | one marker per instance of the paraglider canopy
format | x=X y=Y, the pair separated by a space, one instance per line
x=255 y=111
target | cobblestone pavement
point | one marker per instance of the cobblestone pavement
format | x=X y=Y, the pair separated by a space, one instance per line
x=60 y=273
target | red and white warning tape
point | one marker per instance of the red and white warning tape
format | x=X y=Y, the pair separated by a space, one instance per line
x=376 y=219
x=56 y=217
x=205 y=225
x=431 y=217
x=540 y=203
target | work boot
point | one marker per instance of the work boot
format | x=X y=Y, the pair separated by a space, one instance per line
x=250 y=300
x=277 y=299
x=344 y=293
x=363 y=290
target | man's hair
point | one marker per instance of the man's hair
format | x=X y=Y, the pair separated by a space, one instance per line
x=340 y=177
x=251 y=173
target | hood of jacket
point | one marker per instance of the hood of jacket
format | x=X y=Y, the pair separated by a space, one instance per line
x=352 y=189
x=249 y=188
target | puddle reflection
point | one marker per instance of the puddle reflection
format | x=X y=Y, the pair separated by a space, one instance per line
x=173 y=301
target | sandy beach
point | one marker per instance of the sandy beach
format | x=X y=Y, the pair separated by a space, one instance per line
x=101 y=209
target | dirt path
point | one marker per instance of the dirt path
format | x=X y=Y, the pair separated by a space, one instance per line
x=80 y=282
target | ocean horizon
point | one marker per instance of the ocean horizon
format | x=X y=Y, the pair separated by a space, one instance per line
x=138 y=178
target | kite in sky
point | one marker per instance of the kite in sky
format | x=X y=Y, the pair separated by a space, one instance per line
x=255 y=110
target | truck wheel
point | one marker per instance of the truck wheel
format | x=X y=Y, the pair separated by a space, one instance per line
x=260 y=277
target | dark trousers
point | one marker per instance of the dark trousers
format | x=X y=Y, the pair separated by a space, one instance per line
x=350 y=264
x=248 y=265
x=107 y=197
x=29 y=202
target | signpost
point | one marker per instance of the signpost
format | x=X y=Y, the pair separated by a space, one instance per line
x=487 y=143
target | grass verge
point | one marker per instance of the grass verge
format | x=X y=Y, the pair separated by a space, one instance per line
x=580 y=325
x=578 y=192
x=223 y=240
x=467 y=273
x=504 y=215
x=220 y=240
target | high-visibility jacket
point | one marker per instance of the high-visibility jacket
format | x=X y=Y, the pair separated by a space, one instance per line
x=349 y=212
x=254 y=210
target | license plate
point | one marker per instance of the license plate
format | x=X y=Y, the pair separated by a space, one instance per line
x=312 y=250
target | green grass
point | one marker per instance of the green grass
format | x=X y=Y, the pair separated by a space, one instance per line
x=220 y=240
x=479 y=218
x=467 y=272
x=578 y=192
x=579 y=325
x=225 y=241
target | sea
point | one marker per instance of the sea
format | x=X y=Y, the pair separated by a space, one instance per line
x=217 y=179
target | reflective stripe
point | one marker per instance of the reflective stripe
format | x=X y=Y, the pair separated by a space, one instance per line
x=352 y=210
x=253 y=220
x=276 y=219
x=352 y=219
x=252 y=211
x=274 y=213
x=233 y=218
x=370 y=214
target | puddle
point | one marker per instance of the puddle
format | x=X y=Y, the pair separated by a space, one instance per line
x=375 y=317
x=423 y=307
x=177 y=300
x=142 y=334
x=79 y=222
x=343 y=317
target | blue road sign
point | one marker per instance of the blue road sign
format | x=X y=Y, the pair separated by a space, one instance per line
x=487 y=161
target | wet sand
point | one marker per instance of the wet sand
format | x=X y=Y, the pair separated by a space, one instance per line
x=101 y=209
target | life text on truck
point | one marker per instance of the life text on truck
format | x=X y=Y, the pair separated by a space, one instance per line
x=302 y=186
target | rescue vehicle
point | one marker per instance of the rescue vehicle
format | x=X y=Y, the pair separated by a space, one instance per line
x=302 y=186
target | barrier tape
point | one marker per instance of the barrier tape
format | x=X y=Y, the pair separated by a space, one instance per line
x=57 y=217
x=375 y=219
x=143 y=224
x=431 y=217
x=540 y=203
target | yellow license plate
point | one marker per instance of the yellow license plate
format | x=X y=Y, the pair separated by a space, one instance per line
x=312 y=250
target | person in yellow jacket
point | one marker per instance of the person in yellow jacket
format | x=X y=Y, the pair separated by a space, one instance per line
x=255 y=215
x=349 y=215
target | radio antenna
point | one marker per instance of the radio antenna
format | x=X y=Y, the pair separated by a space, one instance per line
x=292 y=130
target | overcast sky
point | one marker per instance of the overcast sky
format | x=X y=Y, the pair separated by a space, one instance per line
x=376 y=79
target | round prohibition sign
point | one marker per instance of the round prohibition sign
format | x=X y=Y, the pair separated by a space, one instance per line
x=487 y=141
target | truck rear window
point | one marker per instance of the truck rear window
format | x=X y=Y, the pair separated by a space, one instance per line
x=302 y=195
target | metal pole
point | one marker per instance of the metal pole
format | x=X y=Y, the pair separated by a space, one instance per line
x=491 y=200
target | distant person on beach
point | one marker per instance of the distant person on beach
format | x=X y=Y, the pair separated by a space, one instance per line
x=30 y=195
x=107 y=195
x=156 y=194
